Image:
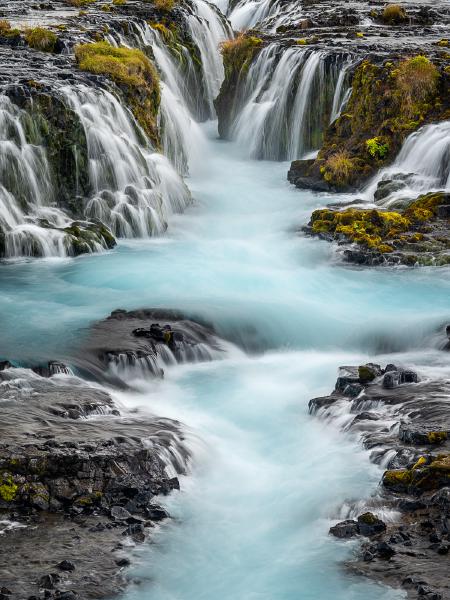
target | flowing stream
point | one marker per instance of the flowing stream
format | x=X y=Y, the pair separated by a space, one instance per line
x=267 y=479
x=252 y=519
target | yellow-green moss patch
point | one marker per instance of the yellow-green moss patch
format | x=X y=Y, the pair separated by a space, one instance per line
x=8 y=489
x=135 y=74
x=41 y=39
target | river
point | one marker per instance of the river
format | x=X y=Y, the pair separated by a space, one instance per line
x=267 y=479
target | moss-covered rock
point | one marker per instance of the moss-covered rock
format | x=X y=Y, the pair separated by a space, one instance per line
x=134 y=74
x=8 y=488
x=427 y=474
x=414 y=235
x=41 y=39
x=388 y=102
x=238 y=54
x=85 y=237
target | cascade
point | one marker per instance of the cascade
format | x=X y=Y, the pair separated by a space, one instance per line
x=423 y=164
x=277 y=117
x=29 y=223
x=134 y=189
x=187 y=96
x=269 y=14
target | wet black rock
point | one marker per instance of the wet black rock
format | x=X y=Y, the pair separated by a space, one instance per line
x=369 y=525
x=345 y=529
x=69 y=486
x=142 y=342
x=407 y=428
x=66 y=565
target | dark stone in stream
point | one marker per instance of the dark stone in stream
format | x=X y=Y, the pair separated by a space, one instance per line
x=369 y=524
x=140 y=341
x=66 y=565
x=345 y=529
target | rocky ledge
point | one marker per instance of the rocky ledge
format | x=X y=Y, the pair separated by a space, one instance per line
x=415 y=235
x=403 y=419
x=79 y=485
x=141 y=343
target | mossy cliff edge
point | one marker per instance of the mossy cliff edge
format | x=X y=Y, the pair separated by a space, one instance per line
x=389 y=101
x=238 y=54
x=134 y=74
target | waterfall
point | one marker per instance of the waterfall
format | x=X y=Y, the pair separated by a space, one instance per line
x=267 y=14
x=279 y=119
x=29 y=224
x=142 y=365
x=208 y=29
x=422 y=165
x=343 y=90
x=187 y=96
x=134 y=189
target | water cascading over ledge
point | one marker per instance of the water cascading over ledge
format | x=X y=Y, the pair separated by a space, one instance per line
x=31 y=221
x=93 y=160
x=191 y=70
x=422 y=165
x=283 y=102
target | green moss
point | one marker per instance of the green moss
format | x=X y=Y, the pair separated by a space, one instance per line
x=165 y=5
x=81 y=2
x=8 y=489
x=338 y=169
x=400 y=477
x=394 y=14
x=89 y=500
x=368 y=518
x=41 y=39
x=367 y=227
x=239 y=52
x=366 y=374
x=437 y=437
x=7 y=31
x=377 y=148
x=388 y=102
x=425 y=207
x=133 y=71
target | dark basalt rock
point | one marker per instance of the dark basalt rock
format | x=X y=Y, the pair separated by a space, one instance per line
x=143 y=341
x=76 y=489
x=345 y=529
x=367 y=525
x=411 y=551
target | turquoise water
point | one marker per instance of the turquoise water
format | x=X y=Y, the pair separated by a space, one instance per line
x=251 y=521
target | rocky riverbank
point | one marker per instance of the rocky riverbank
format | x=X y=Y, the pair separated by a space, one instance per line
x=79 y=485
x=416 y=235
x=80 y=479
x=402 y=418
